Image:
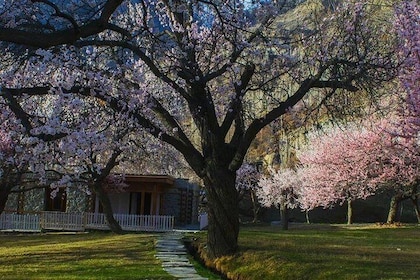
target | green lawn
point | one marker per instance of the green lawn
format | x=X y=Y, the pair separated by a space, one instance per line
x=97 y=255
x=324 y=252
x=303 y=252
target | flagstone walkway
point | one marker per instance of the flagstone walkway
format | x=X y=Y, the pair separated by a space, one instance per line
x=173 y=254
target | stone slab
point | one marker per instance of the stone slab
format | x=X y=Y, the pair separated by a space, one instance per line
x=171 y=251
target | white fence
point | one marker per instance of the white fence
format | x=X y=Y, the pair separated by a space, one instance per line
x=20 y=222
x=83 y=221
x=204 y=220
x=131 y=222
x=62 y=221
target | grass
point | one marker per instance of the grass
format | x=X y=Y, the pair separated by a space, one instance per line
x=324 y=252
x=303 y=252
x=97 y=255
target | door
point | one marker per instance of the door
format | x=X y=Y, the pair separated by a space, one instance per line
x=144 y=203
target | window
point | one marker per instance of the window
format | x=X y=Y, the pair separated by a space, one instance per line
x=143 y=203
x=58 y=203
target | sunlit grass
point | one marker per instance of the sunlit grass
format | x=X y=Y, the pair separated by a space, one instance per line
x=325 y=252
x=79 y=256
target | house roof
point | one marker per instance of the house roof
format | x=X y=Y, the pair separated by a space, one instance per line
x=163 y=179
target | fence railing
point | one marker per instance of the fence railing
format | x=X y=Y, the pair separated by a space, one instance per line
x=62 y=221
x=82 y=221
x=204 y=220
x=131 y=222
x=20 y=222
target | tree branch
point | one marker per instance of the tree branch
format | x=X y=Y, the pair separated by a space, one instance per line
x=147 y=60
x=283 y=107
x=335 y=84
x=58 y=13
x=170 y=121
x=180 y=142
x=240 y=90
x=110 y=164
x=15 y=107
x=66 y=36
x=191 y=154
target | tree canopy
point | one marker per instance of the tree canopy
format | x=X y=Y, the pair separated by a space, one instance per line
x=193 y=74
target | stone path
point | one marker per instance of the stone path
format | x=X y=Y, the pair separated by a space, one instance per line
x=173 y=254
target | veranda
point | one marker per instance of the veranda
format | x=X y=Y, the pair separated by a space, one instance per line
x=48 y=220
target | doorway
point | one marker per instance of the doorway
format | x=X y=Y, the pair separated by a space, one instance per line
x=144 y=203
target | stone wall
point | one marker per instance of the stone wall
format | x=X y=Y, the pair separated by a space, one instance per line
x=76 y=200
x=181 y=201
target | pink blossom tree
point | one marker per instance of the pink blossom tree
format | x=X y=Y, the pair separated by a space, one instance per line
x=352 y=163
x=343 y=165
x=94 y=142
x=192 y=74
x=407 y=25
x=91 y=143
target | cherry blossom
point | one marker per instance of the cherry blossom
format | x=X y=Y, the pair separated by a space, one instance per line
x=247 y=185
x=203 y=77
x=353 y=162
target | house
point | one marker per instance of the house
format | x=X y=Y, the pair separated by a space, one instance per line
x=143 y=195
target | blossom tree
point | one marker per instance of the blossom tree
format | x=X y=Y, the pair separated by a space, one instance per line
x=86 y=157
x=345 y=164
x=247 y=185
x=279 y=189
x=352 y=163
x=96 y=141
x=407 y=24
x=347 y=160
x=92 y=142
x=17 y=158
x=7 y=180
x=192 y=73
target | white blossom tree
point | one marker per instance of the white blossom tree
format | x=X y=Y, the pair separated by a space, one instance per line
x=193 y=73
x=247 y=178
x=280 y=188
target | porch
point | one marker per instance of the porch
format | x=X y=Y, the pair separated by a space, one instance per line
x=47 y=220
x=142 y=196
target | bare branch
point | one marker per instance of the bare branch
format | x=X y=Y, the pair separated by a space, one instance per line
x=58 y=13
x=240 y=89
x=146 y=59
x=66 y=36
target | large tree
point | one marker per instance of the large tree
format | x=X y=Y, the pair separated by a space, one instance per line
x=195 y=73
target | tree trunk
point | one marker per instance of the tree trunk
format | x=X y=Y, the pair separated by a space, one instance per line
x=349 y=211
x=284 y=216
x=255 y=206
x=223 y=212
x=4 y=195
x=307 y=217
x=113 y=224
x=416 y=207
x=393 y=208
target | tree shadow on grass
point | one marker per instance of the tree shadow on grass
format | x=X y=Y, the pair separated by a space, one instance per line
x=89 y=256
